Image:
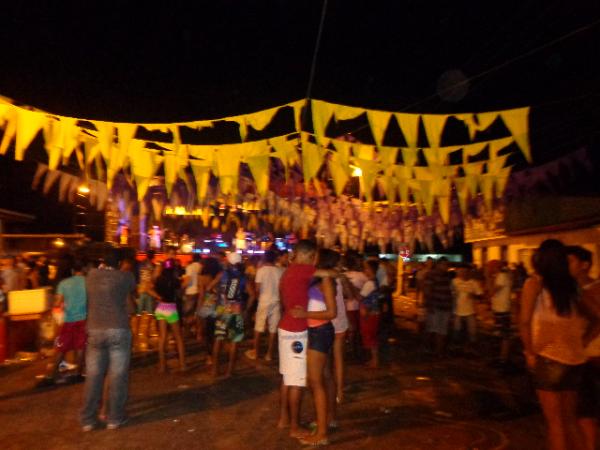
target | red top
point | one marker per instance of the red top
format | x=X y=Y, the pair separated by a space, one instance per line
x=294 y=292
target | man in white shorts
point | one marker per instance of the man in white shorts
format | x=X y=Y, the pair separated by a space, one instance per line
x=293 y=335
x=269 y=307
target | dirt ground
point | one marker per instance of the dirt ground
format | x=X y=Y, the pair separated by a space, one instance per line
x=413 y=402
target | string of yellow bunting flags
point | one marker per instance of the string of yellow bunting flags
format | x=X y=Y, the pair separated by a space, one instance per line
x=114 y=146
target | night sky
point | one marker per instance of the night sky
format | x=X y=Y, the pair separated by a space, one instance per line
x=126 y=62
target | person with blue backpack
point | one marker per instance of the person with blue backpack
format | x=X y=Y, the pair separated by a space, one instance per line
x=231 y=310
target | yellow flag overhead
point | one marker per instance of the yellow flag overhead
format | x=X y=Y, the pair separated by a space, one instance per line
x=501 y=179
x=390 y=184
x=312 y=159
x=494 y=166
x=379 y=121
x=286 y=151
x=443 y=190
x=427 y=195
x=423 y=173
x=438 y=155
x=472 y=174
x=485 y=120
x=261 y=119
x=241 y=121
x=364 y=151
x=228 y=164
x=125 y=133
x=434 y=127
x=462 y=192
x=206 y=152
x=487 y=186
x=28 y=125
x=5 y=109
x=106 y=133
x=322 y=112
x=52 y=142
x=409 y=124
x=340 y=169
x=388 y=156
x=473 y=149
x=469 y=120
x=201 y=170
x=298 y=105
x=342 y=112
x=368 y=178
x=197 y=125
x=517 y=122
x=258 y=159
x=171 y=169
x=498 y=144
x=11 y=129
x=409 y=156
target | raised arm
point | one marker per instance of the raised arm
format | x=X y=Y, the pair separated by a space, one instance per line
x=531 y=291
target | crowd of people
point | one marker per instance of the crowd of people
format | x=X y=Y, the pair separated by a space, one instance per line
x=318 y=306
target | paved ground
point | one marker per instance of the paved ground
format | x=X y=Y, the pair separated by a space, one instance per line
x=413 y=402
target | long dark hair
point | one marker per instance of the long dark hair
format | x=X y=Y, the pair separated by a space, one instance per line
x=550 y=262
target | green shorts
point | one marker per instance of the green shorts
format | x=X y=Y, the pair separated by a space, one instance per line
x=167 y=311
x=230 y=327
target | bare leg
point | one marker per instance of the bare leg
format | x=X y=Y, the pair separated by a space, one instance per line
x=232 y=359
x=589 y=427
x=215 y=357
x=162 y=345
x=330 y=388
x=575 y=434
x=374 y=362
x=179 y=342
x=339 y=365
x=315 y=365
x=294 y=401
x=272 y=337
x=559 y=412
x=284 y=407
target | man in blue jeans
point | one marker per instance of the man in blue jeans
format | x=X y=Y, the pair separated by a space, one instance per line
x=108 y=349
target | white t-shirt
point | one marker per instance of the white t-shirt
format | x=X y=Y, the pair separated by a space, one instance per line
x=463 y=300
x=267 y=278
x=192 y=271
x=367 y=288
x=501 y=299
x=358 y=280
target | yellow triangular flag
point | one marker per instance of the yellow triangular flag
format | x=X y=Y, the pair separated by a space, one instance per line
x=228 y=160
x=342 y=112
x=409 y=124
x=390 y=184
x=426 y=195
x=241 y=121
x=498 y=144
x=487 y=190
x=517 y=122
x=28 y=125
x=469 y=120
x=501 y=180
x=339 y=167
x=322 y=112
x=171 y=167
x=258 y=159
x=286 y=151
x=472 y=174
x=423 y=173
x=206 y=152
x=69 y=136
x=261 y=119
x=473 y=149
x=364 y=151
x=494 y=166
x=444 y=189
x=388 y=156
x=410 y=156
x=312 y=159
x=297 y=106
x=462 y=192
x=368 y=178
x=125 y=133
x=201 y=170
x=434 y=127
x=11 y=129
x=106 y=136
x=379 y=121
x=485 y=120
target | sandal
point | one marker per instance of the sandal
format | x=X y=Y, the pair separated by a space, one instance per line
x=314 y=443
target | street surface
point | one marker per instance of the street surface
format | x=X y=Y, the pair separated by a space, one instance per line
x=414 y=401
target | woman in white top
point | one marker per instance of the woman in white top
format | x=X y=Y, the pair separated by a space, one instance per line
x=552 y=330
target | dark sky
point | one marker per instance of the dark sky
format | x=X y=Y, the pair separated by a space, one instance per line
x=128 y=62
